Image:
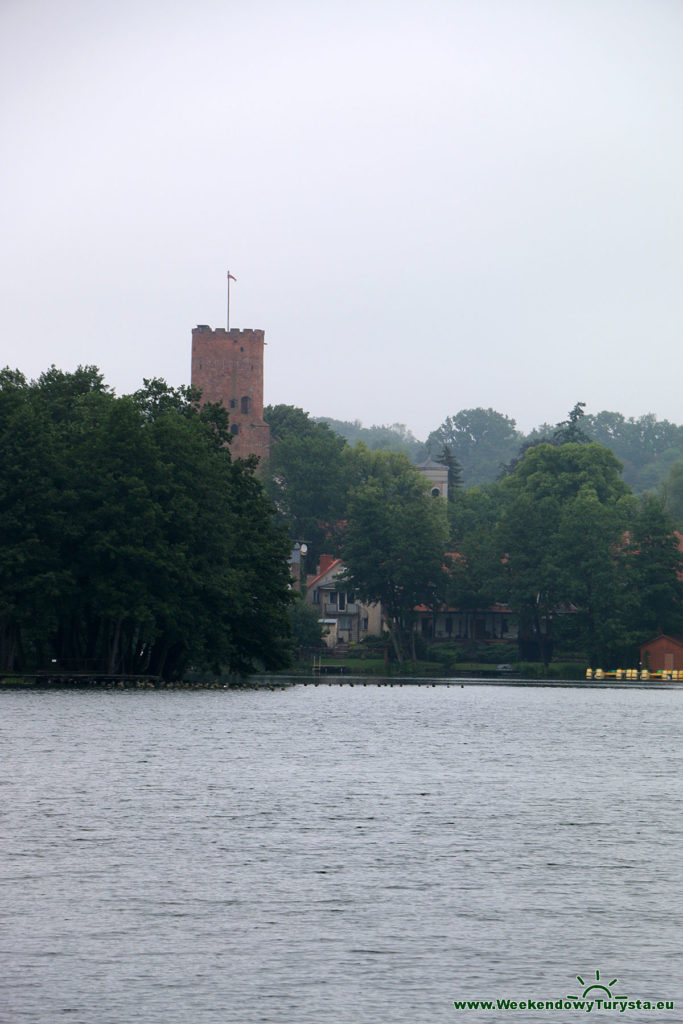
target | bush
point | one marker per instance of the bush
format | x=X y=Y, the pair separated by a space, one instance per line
x=306 y=629
x=570 y=670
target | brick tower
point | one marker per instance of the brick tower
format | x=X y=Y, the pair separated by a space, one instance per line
x=227 y=367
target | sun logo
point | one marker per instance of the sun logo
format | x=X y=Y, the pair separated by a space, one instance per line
x=596 y=987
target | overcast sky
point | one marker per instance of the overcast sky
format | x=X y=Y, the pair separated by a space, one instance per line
x=427 y=207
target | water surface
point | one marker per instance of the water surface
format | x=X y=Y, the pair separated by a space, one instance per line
x=336 y=854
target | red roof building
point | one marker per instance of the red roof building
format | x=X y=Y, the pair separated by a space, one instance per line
x=662 y=654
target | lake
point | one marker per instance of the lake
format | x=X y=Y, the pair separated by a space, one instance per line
x=339 y=854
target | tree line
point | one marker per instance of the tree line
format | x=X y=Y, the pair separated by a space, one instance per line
x=486 y=442
x=131 y=541
x=559 y=536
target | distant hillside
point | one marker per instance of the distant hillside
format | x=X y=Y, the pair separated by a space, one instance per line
x=393 y=438
x=485 y=441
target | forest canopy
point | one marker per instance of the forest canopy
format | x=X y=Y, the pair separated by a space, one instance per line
x=486 y=443
x=554 y=533
x=131 y=541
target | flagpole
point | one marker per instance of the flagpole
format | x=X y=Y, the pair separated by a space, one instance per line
x=231 y=277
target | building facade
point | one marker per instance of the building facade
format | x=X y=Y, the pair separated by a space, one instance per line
x=227 y=367
x=662 y=654
x=436 y=475
x=493 y=623
x=345 y=620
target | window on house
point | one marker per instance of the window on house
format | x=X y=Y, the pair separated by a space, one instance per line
x=316 y=597
x=342 y=602
x=436 y=493
x=332 y=597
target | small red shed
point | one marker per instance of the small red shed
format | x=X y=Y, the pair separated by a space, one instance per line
x=662 y=653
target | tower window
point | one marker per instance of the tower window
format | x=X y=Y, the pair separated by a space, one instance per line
x=235 y=428
x=245 y=404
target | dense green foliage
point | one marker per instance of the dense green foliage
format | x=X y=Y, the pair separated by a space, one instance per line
x=671 y=493
x=553 y=531
x=306 y=478
x=131 y=541
x=583 y=564
x=307 y=632
x=395 y=540
x=483 y=442
x=646 y=447
x=487 y=443
x=565 y=512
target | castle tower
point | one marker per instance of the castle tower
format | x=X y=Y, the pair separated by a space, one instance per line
x=227 y=367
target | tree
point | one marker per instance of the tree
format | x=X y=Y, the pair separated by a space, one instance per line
x=306 y=478
x=32 y=520
x=569 y=431
x=654 y=566
x=395 y=437
x=565 y=513
x=448 y=459
x=671 y=493
x=131 y=541
x=476 y=574
x=307 y=631
x=482 y=440
x=478 y=508
x=394 y=541
x=647 y=447
x=591 y=579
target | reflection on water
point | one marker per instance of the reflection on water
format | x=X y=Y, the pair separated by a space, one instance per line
x=335 y=854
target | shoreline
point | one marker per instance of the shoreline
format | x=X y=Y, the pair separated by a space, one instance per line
x=282 y=682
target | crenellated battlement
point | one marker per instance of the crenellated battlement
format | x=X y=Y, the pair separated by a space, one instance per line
x=227 y=367
x=235 y=334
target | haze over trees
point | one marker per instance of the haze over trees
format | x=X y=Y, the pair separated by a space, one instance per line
x=388 y=438
x=486 y=443
x=131 y=542
x=553 y=531
x=482 y=440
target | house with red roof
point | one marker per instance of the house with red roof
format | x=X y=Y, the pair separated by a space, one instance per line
x=345 y=620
